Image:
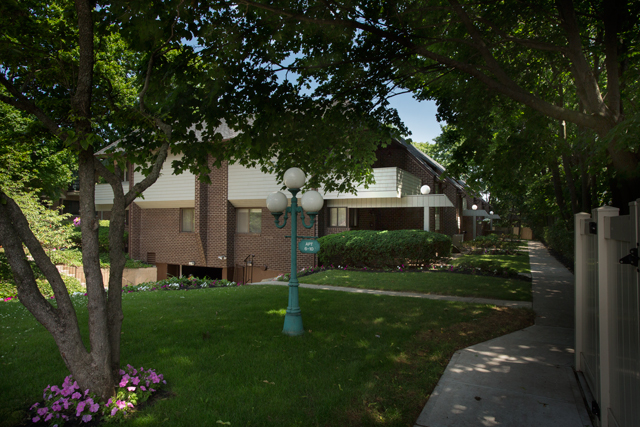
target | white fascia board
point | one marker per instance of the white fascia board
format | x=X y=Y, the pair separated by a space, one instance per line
x=417 y=201
x=166 y=204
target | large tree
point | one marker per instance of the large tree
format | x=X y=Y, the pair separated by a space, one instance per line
x=571 y=61
x=153 y=77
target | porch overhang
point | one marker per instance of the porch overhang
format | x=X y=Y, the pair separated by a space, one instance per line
x=415 y=201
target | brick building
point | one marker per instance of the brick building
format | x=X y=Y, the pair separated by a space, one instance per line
x=186 y=227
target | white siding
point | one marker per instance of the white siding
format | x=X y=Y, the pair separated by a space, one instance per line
x=104 y=196
x=169 y=190
x=249 y=186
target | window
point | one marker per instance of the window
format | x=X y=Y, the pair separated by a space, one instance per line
x=437 y=215
x=337 y=217
x=353 y=218
x=464 y=203
x=249 y=221
x=187 y=220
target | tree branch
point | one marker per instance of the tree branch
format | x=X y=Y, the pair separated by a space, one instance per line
x=22 y=103
x=151 y=178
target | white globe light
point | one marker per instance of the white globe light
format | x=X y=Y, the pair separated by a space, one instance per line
x=474 y=207
x=294 y=178
x=312 y=201
x=276 y=202
x=425 y=189
x=491 y=213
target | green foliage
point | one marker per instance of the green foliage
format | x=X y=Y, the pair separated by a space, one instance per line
x=505 y=243
x=8 y=288
x=561 y=239
x=103 y=236
x=50 y=227
x=379 y=249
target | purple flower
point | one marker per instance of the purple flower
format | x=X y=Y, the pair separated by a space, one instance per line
x=94 y=407
x=35 y=405
x=76 y=395
x=143 y=388
x=35 y=419
x=113 y=411
x=56 y=407
x=86 y=418
x=109 y=402
x=135 y=381
x=80 y=408
x=48 y=417
x=42 y=411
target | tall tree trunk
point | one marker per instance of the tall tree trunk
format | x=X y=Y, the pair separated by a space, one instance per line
x=557 y=188
x=584 y=185
x=566 y=163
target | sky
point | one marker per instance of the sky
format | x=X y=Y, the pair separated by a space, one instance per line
x=418 y=116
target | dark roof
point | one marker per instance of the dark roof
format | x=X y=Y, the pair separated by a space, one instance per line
x=436 y=168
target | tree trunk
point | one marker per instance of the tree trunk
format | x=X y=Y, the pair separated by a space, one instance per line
x=557 y=188
x=570 y=184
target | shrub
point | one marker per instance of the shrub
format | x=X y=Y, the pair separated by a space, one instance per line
x=486 y=266
x=505 y=242
x=560 y=238
x=103 y=236
x=380 y=249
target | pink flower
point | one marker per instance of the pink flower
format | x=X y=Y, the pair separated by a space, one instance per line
x=121 y=404
x=80 y=408
x=76 y=395
x=109 y=402
x=94 y=407
x=113 y=411
x=131 y=388
x=135 y=381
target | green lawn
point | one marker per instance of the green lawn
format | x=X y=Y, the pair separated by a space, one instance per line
x=364 y=360
x=463 y=285
x=517 y=262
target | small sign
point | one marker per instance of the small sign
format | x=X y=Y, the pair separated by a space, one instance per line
x=309 y=246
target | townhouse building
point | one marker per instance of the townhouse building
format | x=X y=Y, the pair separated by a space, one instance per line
x=224 y=230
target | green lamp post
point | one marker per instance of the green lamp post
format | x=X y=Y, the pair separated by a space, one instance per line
x=311 y=202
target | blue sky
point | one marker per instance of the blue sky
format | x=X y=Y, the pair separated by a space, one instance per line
x=418 y=116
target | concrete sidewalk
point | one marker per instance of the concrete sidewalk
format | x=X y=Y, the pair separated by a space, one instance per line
x=498 y=302
x=520 y=379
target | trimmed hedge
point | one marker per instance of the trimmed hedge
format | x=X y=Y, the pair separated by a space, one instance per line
x=380 y=249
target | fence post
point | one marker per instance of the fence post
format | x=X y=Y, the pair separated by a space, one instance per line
x=580 y=273
x=606 y=279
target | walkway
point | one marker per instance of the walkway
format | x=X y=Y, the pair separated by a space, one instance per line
x=520 y=379
x=498 y=302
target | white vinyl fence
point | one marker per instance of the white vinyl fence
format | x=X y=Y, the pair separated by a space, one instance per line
x=608 y=312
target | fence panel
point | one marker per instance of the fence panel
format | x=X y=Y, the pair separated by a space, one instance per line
x=624 y=410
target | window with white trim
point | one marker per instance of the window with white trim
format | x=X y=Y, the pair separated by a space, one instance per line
x=437 y=221
x=337 y=217
x=249 y=221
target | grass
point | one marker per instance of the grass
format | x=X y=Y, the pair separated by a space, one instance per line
x=365 y=360
x=462 y=285
x=516 y=262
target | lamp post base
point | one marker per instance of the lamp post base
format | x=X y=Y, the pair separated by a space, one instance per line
x=293 y=325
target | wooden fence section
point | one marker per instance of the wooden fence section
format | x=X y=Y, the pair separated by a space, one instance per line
x=78 y=273
x=608 y=312
x=130 y=276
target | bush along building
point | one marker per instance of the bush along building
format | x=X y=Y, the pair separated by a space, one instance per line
x=224 y=230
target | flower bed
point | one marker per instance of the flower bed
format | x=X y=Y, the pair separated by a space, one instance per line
x=69 y=403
